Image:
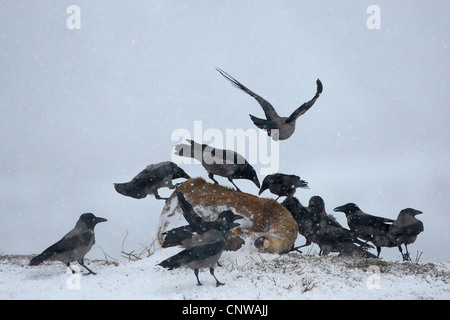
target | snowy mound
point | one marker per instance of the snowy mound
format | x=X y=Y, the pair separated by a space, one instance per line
x=247 y=274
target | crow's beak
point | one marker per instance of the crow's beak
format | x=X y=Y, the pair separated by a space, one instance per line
x=185 y=175
x=338 y=209
x=99 y=219
x=179 y=173
x=182 y=174
x=263 y=188
x=418 y=212
x=234 y=225
x=256 y=181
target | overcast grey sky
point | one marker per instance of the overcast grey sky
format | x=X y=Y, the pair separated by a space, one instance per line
x=82 y=109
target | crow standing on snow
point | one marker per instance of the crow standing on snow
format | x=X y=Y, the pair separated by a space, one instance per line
x=203 y=241
x=74 y=245
x=282 y=184
x=321 y=228
x=285 y=125
x=367 y=227
x=149 y=180
x=225 y=163
x=405 y=229
x=330 y=235
x=302 y=216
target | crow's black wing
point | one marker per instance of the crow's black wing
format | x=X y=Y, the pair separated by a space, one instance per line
x=369 y=220
x=333 y=234
x=188 y=211
x=62 y=246
x=197 y=253
x=151 y=175
x=399 y=234
x=269 y=110
x=176 y=236
x=332 y=221
x=307 y=105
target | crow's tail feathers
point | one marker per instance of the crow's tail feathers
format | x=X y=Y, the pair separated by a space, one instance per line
x=303 y=184
x=192 y=150
x=175 y=261
x=366 y=252
x=121 y=188
x=262 y=123
x=183 y=150
x=38 y=259
x=129 y=190
x=363 y=245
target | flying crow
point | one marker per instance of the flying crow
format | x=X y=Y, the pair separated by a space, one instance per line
x=284 y=125
x=149 y=180
x=74 y=245
x=282 y=184
x=203 y=241
x=225 y=163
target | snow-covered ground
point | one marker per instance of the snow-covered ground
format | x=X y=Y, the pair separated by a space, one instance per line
x=247 y=274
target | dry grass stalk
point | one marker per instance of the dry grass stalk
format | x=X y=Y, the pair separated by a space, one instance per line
x=136 y=256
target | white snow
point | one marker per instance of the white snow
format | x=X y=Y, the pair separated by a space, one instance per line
x=247 y=273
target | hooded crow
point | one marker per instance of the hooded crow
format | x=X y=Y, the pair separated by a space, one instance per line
x=284 y=125
x=203 y=241
x=367 y=227
x=176 y=236
x=225 y=163
x=405 y=229
x=74 y=245
x=330 y=235
x=282 y=184
x=321 y=228
x=149 y=180
x=302 y=216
